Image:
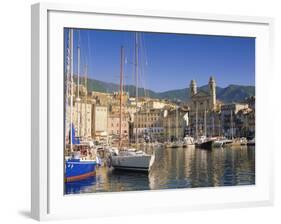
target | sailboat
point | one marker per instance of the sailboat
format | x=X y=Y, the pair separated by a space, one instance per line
x=203 y=142
x=129 y=158
x=75 y=168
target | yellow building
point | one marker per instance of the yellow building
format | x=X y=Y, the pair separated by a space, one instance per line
x=148 y=122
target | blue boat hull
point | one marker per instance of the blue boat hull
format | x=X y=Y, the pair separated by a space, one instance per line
x=76 y=170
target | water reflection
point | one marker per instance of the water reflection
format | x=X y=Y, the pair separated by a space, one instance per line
x=177 y=168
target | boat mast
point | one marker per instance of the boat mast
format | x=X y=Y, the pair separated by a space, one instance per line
x=78 y=83
x=121 y=95
x=213 y=121
x=231 y=123
x=67 y=130
x=219 y=126
x=196 y=122
x=169 y=129
x=85 y=112
x=71 y=79
x=205 y=123
x=136 y=77
x=177 y=120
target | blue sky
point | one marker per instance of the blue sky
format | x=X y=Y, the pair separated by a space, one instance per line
x=168 y=61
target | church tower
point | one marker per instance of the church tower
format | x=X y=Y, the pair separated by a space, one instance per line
x=192 y=88
x=212 y=89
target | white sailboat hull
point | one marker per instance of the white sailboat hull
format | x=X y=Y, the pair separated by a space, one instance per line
x=132 y=162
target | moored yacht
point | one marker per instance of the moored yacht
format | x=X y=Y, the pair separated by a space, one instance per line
x=188 y=141
x=251 y=142
x=221 y=142
x=204 y=143
x=77 y=169
x=129 y=158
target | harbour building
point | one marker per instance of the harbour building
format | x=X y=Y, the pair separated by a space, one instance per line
x=174 y=123
x=204 y=110
x=233 y=119
x=99 y=118
x=149 y=123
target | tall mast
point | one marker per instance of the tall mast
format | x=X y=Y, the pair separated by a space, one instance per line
x=177 y=120
x=196 y=122
x=213 y=121
x=219 y=120
x=71 y=94
x=78 y=83
x=85 y=112
x=169 y=129
x=121 y=95
x=67 y=89
x=136 y=77
x=231 y=123
x=205 y=123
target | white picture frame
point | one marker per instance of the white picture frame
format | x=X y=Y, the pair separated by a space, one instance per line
x=47 y=198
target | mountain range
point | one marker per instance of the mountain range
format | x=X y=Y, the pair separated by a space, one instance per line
x=231 y=93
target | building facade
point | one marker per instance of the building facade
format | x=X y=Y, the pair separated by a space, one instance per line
x=113 y=127
x=100 y=119
x=204 y=109
x=148 y=123
x=174 y=124
x=232 y=119
x=82 y=119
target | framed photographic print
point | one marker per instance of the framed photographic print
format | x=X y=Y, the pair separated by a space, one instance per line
x=151 y=111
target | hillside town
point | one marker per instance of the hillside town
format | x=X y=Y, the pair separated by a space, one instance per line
x=96 y=116
x=120 y=137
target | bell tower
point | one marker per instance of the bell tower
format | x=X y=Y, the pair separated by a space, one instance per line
x=192 y=88
x=212 y=89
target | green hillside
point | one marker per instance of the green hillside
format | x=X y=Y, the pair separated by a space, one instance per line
x=231 y=93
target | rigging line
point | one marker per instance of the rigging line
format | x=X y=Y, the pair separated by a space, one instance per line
x=125 y=85
x=87 y=61
x=145 y=51
x=134 y=70
x=84 y=50
x=67 y=93
x=145 y=61
x=142 y=67
x=78 y=61
x=88 y=47
x=142 y=78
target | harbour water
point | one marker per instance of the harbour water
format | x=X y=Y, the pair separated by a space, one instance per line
x=177 y=168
